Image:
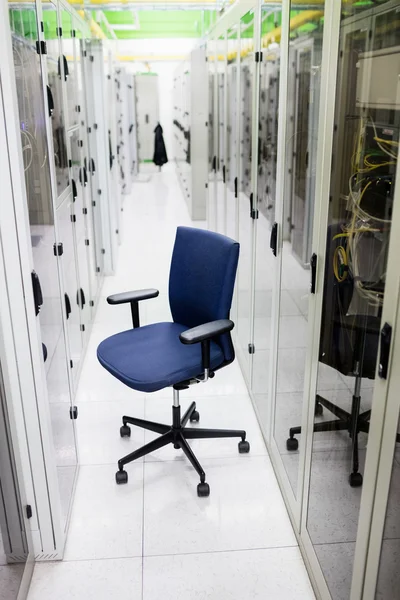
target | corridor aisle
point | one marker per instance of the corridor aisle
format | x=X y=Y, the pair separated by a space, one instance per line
x=153 y=538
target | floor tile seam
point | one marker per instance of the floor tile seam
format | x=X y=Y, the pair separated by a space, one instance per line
x=104 y=401
x=227 y=551
x=173 y=460
x=205 y=459
x=90 y=559
x=216 y=397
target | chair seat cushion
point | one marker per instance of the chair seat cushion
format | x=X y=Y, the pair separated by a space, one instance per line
x=152 y=357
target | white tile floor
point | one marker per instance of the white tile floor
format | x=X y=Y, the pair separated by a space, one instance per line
x=154 y=538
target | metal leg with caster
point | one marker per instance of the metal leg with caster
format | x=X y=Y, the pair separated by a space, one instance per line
x=178 y=435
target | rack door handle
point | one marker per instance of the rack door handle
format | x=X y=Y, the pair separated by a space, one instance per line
x=386 y=338
x=80 y=298
x=67 y=305
x=313 y=266
x=74 y=189
x=236 y=187
x=65 y=65
x=50 y=101
x=273 y=242
x=223 y=173
x=37 y=292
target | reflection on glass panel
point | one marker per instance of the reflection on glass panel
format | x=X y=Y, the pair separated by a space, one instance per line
x=266 y=198
x=220 y=135
x=68 y=43
x=247 y=64
x=231 y=148
x=305 y=52
x=212 y=160
x=41 y=218
x=366 y=137
x=13 y=546
x=56 y=71
x=388 y=583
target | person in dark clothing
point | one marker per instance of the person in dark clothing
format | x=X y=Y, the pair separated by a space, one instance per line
x=160 y=153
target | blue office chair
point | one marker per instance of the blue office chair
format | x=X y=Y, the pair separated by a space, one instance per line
x=187 y=351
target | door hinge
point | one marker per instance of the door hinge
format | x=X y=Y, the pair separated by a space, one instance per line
x=42 y=26
x=91 y=303
x=58 y=249
x=86 y=242
x=103 y=251
x=97 y=269
x=29 y=512
x=71 y=364
x=99 y=192
x=73 y=32
x=84 y=211
x=59 y=31
x=258 y=56
x=93 y=203
x=253 y=211
x=251 y=348
x=70 y=163
x=80 y=143
x=41 y=47
x=73 y=218
x=386 y=338
x=73 y=412
x=83 y=327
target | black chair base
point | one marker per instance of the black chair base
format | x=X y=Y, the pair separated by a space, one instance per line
x=353 y=422
x=177 y=434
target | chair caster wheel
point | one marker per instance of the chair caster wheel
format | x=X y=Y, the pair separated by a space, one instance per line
x=203 y=490
x=125 y=431
x=121 y=477
x=319 y=409
x=355 y=479
x=244 y=447
x=292 y=444
x=195 y=417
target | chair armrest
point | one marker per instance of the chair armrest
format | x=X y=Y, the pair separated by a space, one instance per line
x=207 y=331
x=134 y=296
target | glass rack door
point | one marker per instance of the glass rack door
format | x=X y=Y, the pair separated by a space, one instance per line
x=13 y=541
x=232 y=116
x=363 y=182
x=57 y=70
x=269 y=77
x=212 y=159
x=244 y=191
x=295 y=222
x=220 y=97
x=37 y=161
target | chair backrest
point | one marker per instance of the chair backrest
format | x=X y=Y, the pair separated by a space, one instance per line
x=202 y=278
